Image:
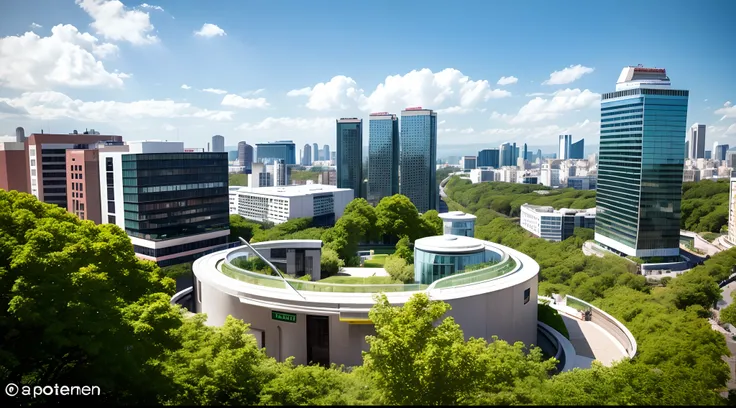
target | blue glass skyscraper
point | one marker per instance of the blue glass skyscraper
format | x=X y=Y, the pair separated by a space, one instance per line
x=349 y=159
x=577 y=149
x=418 y=157
x=488 y=158
x=383 y=156
x=506 y=154
x=642 y=150
x=280 y=150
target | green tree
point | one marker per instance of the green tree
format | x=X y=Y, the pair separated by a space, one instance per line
x=77 y=306
x=330 y=262
x=398 y=269
x=431 y=224
x=217 y=365
x=238 y=179
x=404 y=250
x=414 y=360
x=397 y=216
x=240 y=227
x=307 y=385
x=365 y=219
x=695 y=287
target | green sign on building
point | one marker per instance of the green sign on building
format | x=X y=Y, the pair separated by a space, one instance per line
x=284 y=317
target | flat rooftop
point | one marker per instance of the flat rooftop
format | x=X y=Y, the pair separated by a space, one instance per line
x=292 y=191
x=457 y=216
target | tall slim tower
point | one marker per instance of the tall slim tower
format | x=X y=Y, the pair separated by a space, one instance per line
x=307 y=156
x=383 y=156
x=418 y=179
x=218 y=144
x=349 y=160
x=526 y=153
x=506 y=155
x=565 y=147
x=20 y=134
x=325 y=155
x=315 y=151
x=697 y=141
x=640 y=165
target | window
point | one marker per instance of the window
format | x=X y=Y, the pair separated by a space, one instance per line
x=108 y=163
x=527 y=295
x=33 y=162
x=199 y=291
x=33 y=172
x=111 y=219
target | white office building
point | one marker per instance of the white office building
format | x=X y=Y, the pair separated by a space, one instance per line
x=550 y=177
x=555 y=225
x=279 y=204
x=482 y=175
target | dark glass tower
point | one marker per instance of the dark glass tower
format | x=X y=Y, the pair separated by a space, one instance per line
x=642 y=150
x=577 y=149
x=383 y=156
x=488 y=158
x=418 y=157
x=175 y=195
x=349 y=160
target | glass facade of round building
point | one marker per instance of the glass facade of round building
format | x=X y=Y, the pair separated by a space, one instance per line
x=431 y=266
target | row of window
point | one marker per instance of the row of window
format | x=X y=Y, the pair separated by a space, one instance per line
x=179 y=248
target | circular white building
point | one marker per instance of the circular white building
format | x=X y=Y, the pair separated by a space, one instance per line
x=458 y=223
x=492 y=290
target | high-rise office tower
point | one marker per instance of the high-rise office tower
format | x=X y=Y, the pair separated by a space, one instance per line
x=687 y=149
x=506 y=155
x=515 y=154
x=284 y=150
x=315 y=151
x=708 y=154
x=720 y=152
x=218 y=144
x=172 y=208
x=488 y=158
x=565 y=145
x=577 y=150
x=349 y=155
x=383 y=156
x=640 y=165
x=325 y=155
x=697 y=141
x=418 y=157
x=307 y=155
x=525 y=156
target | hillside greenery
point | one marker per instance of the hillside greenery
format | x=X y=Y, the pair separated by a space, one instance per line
x=77 y=307
x=238 y=179
x=704 y=203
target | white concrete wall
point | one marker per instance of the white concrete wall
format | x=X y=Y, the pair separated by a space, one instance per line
x=117 y=165
x=342 y=199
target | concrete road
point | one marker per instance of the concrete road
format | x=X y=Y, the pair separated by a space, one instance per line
x=726 y=295
x=702 y=244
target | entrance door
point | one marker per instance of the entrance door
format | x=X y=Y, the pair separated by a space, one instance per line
x=318 y=340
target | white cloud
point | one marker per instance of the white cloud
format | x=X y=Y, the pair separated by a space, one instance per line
x=314 y=124
x=498 y=116
x=148 y=6
x=245 y=103
x=114 y=22
x=727 y=104
x=185 y=86
x=448 y=87
x=65 y=58
x=731 y=130
x=566 y=100
x=728 y=111
x=507 y=80
x=49 y=105
x=539 y=94
x=567 y=75
x=168 y=128
x=705 y=100
x=586 y=129
x=214 y=91
x=253 y=93
x=34 y=25
x=467 y=131
x=210 y=30
x=442 y=122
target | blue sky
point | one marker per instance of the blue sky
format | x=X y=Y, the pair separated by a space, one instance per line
x=267 y=70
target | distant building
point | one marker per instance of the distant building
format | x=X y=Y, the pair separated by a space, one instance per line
x=555 y=225
x=708 y=154
x=720 y=152
x=232 y=155
x=488 y=158
x=577 y=149
x=48 y=166
x=418 y=157
x=328 y=178
x=582 y=182
x=172 y=209
x=506 y=155
x=20 y=135
x=458 y=223
x=315 y=152
x=697 y=141
x=260 y=176
x=640 y=165
x=482 y=175
x=14 y=166
x=530 y=180
x=324 y=204
x=349 y=161
x=83 y=184
x=565 y=147
x=280 y=150
x=383 y=156
x=307 y=155
x=325 y=155
x=468 y=162
x=218 y=144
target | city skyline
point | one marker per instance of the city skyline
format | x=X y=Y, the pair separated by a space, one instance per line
x=140 y=81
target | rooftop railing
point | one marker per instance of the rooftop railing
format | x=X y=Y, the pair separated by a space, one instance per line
x=494 y=271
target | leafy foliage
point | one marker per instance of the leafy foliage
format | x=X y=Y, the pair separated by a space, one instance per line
x=238 y=179
x=398 y=269
x=242 y=228
x=330 y=262
x=404 y=250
